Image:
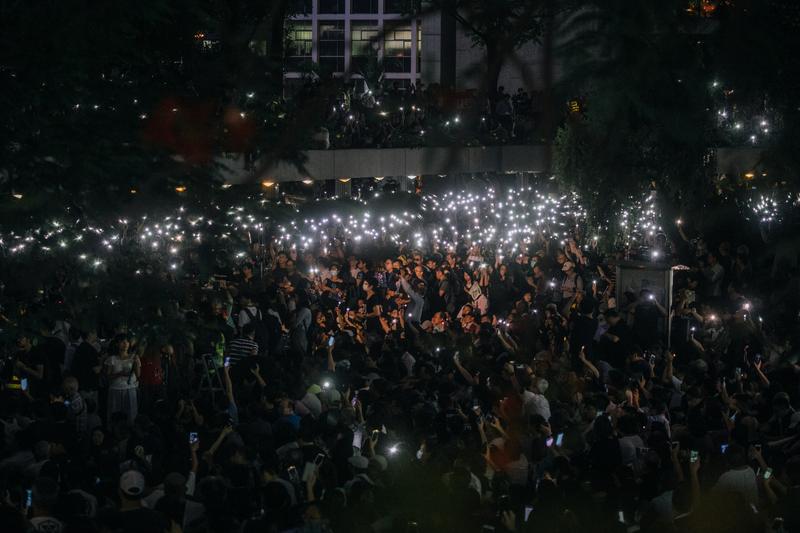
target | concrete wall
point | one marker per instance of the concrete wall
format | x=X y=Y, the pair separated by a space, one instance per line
x=736 y=161
x=471 y=62
x=527 y=69
x=438 y=60
x=365 y=163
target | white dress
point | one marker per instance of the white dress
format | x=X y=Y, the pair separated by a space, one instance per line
x=122 y=389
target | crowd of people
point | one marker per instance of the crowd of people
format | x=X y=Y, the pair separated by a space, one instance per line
x=414 y=390
x=396 y=116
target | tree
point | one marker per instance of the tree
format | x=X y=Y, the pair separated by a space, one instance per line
x=104 y=104
x=500 y=27
x=644 y=84
x=754 y=53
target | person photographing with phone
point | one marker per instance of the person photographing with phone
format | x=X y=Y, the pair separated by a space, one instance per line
x=122 y=370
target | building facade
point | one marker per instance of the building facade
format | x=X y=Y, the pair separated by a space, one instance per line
x=355 y=37
x=373 y=38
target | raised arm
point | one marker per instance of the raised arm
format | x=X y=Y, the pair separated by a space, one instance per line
x=418 y=300
x=507 y=341
x=331 y=362
x=209 y=455
x=761 y=375
x=588 y=364
x=463 y=371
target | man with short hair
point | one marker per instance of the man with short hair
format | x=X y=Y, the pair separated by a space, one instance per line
x=534 y=400
x=416 y=294
x=249 y=312
x=740 y=477
x=86 y=366
x=446 y=298
x=714 y=274
x=243 y=346
x=30 y=365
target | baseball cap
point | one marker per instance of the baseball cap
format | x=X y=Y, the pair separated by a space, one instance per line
x=358 y=462
x=132 y=483
x=330 y=396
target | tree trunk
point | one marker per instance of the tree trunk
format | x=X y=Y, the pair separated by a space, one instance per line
x=494 y=64
x=277 y=25
x=548 y=104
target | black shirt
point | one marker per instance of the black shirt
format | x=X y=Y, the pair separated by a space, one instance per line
x=52 y=350
x=83 y=363
x=33 y=359
x=583 y=331
x=645 y=323
x=140 y=520
x=373 y=323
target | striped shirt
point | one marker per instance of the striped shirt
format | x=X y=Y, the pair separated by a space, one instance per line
x=240 y=348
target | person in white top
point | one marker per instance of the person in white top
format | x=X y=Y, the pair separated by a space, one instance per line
x=248 y=313
x=740 y=477
x=122 y=370
x=534 y=401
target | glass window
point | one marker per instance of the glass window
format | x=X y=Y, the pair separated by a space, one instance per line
x=397 y=49
x=300 y=7
x=364 y=41
x=363 y=6
x=331 y=7
x=331 y=45
x=419 y=44
x=399 y=6
x=298 y=49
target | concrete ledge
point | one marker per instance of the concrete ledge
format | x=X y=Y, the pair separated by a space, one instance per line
x=736 y=161
x=371 y=162
x=366 y=163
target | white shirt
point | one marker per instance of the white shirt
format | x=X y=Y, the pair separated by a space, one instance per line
x=124 y=366
x=627 y=447
x=535 y=404
x=740 y=480
x=244 y=319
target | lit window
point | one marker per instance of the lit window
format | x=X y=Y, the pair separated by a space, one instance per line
x=397 y=49
x=298 y=49
x=364 y=39
x=331 y=45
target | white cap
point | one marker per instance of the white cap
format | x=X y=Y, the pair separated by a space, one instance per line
x=132 y=483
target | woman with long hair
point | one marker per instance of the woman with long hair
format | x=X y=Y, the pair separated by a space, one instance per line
x=122 y=369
